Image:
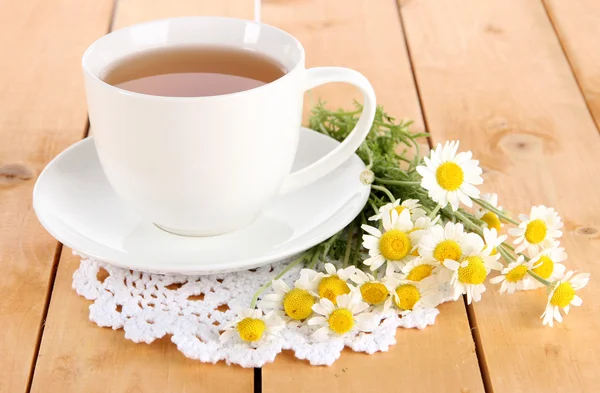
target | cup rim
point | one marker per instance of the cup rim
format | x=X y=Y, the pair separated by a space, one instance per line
x=93 y=76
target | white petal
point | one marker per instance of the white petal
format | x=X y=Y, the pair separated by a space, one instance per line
x=497 y=279
x=375 y=262
x=464 y=198
x=321 y=334
x=227 y=335
x=558 y=316
x=324 y=307
x=451 y=264
x=343 y=301
x=273 y=297
x=359 y=307
x=317 y=321
x=453 y=199
x=330 y=269
x=371 y=230
x=280 y=286
x=386 y=220
x=365 y=322
x=370 y=242
x=576 y=301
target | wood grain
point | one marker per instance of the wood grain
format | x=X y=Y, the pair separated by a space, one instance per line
x=367 y=36
x=578 y=28
x=42 y=112
x=492 y=73
x=75 y=354
x=78 y=356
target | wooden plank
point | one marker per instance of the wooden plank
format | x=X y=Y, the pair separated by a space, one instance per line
x=75 y=354
x=367 y=36
x=43 y=111
x=577 y=26
x=492 y=73
x=78 y=356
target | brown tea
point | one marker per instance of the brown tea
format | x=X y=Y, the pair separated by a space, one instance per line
x=194 y=71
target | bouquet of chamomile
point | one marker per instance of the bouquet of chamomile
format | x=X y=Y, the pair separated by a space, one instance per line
x=426 y=231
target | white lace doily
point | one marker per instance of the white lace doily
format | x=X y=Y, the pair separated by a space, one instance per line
x=192 y=308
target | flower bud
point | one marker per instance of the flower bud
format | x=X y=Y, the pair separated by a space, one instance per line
x=367 y=177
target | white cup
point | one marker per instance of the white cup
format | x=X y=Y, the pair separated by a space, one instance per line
x=201 y=166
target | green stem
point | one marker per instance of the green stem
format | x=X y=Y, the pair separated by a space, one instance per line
x=418 y=151
x=468 y=222
x=373 y=206
x=397 y=182
x=385 y=190
x=402 y=158
x=348 y=244
x=495 y=210
x=435 y=211
x=313 y=260
x=277 y=277
x=369 y=154
x=506 y=255
x=329 y=243
x=427 y=210
x=540 y=279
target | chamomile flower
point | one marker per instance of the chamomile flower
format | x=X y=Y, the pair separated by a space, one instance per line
x=330 y=285
x=547 y=264
x=539 y=229
x=373 y=292
x=349 y=314
x=490 y=218
x=469 y=275
x=294 y=303
x=413 y=206
x=252 y=326
x=514 y=276
x=563 y=295
x=424 y=223
x=394 y=245
x=492 y=240
x=410 y=295
x=450 y=177
x=420 y=269
x=450 y=242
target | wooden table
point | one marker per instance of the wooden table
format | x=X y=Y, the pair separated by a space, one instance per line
x=518 y=81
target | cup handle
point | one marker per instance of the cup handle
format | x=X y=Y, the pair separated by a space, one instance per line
x=319 y=76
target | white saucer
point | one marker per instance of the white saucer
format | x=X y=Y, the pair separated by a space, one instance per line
x=75 y=203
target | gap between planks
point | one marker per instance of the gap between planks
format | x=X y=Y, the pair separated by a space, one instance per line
x=57 y=253
x=52 y=278
x=483 y=368
x=569 y=62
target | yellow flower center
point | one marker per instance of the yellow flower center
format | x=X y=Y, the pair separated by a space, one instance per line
x=492 y=220
x=251 y=329
x=373 y=292
x=447 y=249
x=298 y=303
x=563 y=295
x=408 y=296
x=536 y=231
x=419 y=272
x=450 y=176
x=545 y=269
x=341 y=320
x=394 y=245
x=516 y=274
x=399 y=209
x=474 y=273
x=331 y=287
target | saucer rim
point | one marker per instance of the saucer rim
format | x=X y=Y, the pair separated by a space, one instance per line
x=129 y=262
